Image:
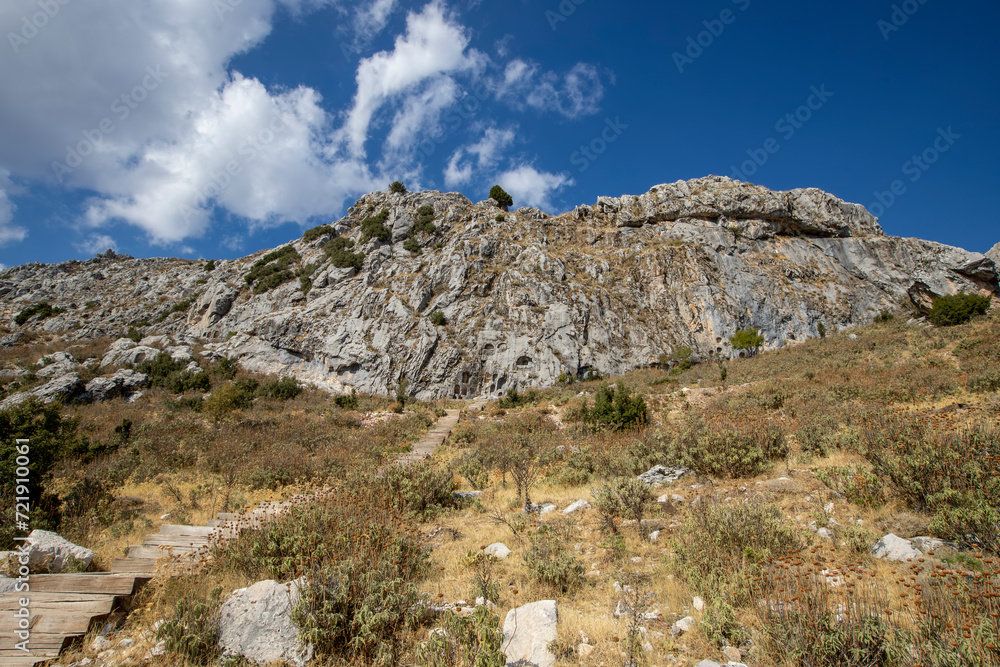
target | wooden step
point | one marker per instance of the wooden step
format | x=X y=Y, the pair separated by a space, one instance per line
x=145 y=566
x=175 y=541
x=77 y=603
x=96 y=583
x=148 y=551
x=16 y=659
x=187 y=531
x=51 y=623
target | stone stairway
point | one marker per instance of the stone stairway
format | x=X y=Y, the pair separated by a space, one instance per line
x=64 y=607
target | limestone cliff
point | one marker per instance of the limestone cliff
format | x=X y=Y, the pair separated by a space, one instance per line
x=525 y=296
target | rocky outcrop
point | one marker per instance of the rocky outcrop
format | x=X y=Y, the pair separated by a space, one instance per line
x=123 y=383
x=607 y=287
x=994 y=254
x=256 y=623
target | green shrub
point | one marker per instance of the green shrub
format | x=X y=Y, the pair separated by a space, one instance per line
x=505 y=200
x=679 y=360
x=953 y=476
x=397 y=188
x=209 y=266
x=347 y=401
x=719 y=541
x=956 y=309
x=475 y=641
x=273 y=269
x=512 y=399
x=821 y=330
x=551 y=562
x=858 y=485
x=179 y=307
x=42 y=310
x=421 y=490
x=622 y=497
x=163 y=371
x=412 y=246
x=616 y=408
x=425 y=221
x=501 y=217
x=339 y=252
x=729 y=450
x=193 y=629
x=284 y=389
x=747 y=340
x=311 y=235
x=437 y=318
x=374 y=228
x=231 y=396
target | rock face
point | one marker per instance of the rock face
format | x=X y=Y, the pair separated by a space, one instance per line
x=994 y=254
x=51 y=553
x=527 y=632
x=256 y=623
x=122 y=383
x=607 y=287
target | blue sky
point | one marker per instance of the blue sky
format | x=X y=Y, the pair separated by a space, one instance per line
x=216 y=128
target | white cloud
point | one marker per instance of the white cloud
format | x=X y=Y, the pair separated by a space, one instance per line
x=421 y=113
x=433 y=45
x=578 y=93
x=531 y=187
x=9 y=233
x=96 y=244
x=374 y=18
x=486 y=151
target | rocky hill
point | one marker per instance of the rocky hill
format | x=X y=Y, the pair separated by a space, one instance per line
x=465 y=299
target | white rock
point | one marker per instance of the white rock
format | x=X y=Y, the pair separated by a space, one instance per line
x=546 y=508
x=256 y=623
x=498 y=550
x=654 y=536
x=894 y=548
x=527 y=632
x=577 y=506
x=824 y=533
x=584 y=650
x=50 y=552
x=686 y=624
x=698 y=603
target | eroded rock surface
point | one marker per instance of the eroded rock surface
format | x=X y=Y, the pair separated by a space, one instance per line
x=607 y=287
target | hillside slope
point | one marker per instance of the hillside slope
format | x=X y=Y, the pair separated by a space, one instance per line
x=525 y=297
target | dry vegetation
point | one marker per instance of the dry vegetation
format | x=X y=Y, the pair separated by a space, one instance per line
x=801 y=459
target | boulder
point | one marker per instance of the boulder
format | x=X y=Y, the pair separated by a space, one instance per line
x=895 y=548
x=64 y=388
x=993 y=253
x=48 y=552
x=527 y=632
x=56 y=365
x=498 y=550
x=122 y=383
x=928 y=544
x=663 y=474
x=686 y=624
x=12 y=339
x=125 y=352
x=577 y=506
x=256 y=623
x=181 y=353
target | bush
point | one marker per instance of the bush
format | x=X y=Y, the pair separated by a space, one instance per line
x=747 y=340
x=505 y=200
x=425 y=221
x=500 y=217
x=622 y=497
x=858 y=485
x=273 y=269
x=397 y=188
x=719 y=541
x=284 y=389
x=412 y=246
x=550 y=561
x=163 y=371
x=420 y=490
x=948 y=311
x=209 y=266
x=193 y=629
x=347 y=401
x=512 y=399
x=311 y=235
x=361 y=558
x=745 y=449
x=437 y=318
x=616 y=408
x=42 y=310
x=339 y=252
x=679 y=359
x=374 y=228
x=954 y=477
x=232 y=396
x=474 y=641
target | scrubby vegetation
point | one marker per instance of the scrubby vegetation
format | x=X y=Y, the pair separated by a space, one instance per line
x=948 y=311
x=273 y=269
x=799 y=460
x=339 y=252
x=315 y=233
x=41 y=310
x=373 y=227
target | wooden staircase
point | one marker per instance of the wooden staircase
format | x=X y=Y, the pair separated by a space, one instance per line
x=65 y=607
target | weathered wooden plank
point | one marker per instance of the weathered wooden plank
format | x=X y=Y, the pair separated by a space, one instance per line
x=68 y=602
x=99 y=583
x=175 y=541
x=134 y=565
x=148 y=551
x=50 y=623
x=193 y=531
x=15 y=660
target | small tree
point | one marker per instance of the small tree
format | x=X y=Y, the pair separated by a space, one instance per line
x=401 y=390
x=821 y=330
x=397 y=188
x=747 y=340
x=958 y=309
x=501 y=197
